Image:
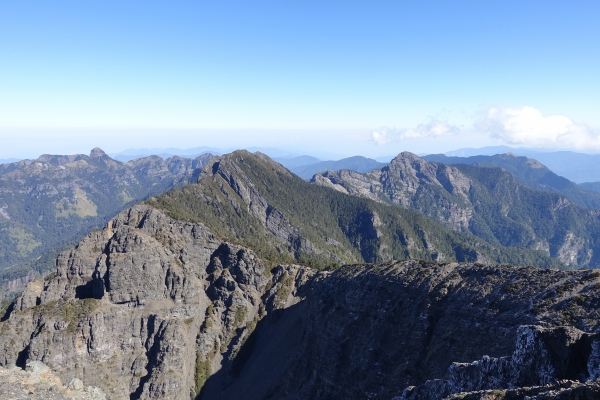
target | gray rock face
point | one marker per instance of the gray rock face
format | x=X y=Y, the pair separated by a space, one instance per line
x=403 y=181
x=371 y=331
x=128 y=309
x=227 y=168
x=37 y=382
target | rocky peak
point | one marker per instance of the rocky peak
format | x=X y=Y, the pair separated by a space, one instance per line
x=97 y=152
x=406 y=157
x=410 y=167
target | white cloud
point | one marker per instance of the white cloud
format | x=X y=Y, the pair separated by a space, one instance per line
x=528 y=126
x=430 y=129
x=381 y=136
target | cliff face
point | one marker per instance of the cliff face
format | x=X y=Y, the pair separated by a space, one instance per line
x=128 y=309
x=488 y=202
x=150 y=307
x=547 y=363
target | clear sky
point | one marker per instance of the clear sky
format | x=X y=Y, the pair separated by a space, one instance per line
x=346 y=77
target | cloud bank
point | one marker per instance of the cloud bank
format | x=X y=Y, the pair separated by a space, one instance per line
x=433 y=128
x=525 y=126
x=529 y=126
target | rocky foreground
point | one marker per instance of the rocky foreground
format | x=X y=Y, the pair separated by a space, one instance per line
x=37 y=382
x=149 y=307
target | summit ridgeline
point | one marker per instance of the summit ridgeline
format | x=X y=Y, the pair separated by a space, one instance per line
x=251 y=200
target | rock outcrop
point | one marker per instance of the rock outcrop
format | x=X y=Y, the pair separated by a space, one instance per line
x=544 y=358
x=37 y=382
x=146 y=308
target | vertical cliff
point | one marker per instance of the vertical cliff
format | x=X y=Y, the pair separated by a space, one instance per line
x=147 y=307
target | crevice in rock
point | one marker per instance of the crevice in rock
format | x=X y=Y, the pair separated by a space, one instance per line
x=22 y=358
x=155 y=336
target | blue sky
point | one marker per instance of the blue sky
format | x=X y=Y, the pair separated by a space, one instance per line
x=348 y=77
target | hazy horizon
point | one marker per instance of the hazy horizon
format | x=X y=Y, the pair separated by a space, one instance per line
x=289 y=153
x=340 y=78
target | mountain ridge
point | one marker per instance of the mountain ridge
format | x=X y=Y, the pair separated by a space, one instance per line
x=488 y=202
x=251 y=199
x=200 y=293
x=528 y=172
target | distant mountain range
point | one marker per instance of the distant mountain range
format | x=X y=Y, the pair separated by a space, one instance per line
x=528 y=172
x=575 y=166
x=49 y=202
x=132 y=154
x=305 y=170
x=9 y=160
x=487 y=201
x=493 y=150
x=296 y=162
x=594 y=186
